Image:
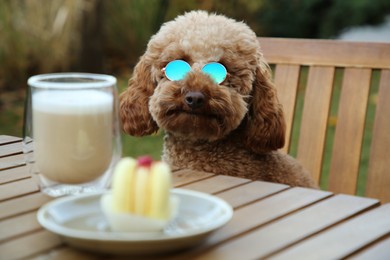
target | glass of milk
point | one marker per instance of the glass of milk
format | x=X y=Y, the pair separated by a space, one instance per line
x=71 y=132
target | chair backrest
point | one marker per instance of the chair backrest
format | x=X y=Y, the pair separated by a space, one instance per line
x=336 y=98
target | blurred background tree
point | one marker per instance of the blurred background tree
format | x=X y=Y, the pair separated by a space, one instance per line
x=317 y=18
x=109 y=36
x=100 y=36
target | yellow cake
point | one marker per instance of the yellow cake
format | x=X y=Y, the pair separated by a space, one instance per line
x=140 y=198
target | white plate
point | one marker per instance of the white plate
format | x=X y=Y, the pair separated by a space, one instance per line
x=81 y=223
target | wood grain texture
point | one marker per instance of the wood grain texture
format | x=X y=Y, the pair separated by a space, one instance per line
x=348 y=138
x=216 y=184
x=378 y=251
x=13 y=207
x=358 y=59
x=378 y=182
x=66 y=253
x=184 y=177
x=6 y=139
x=250 y=192
x=18 y=225
x=354 y=234
x=258 y=214
x=29 y=245
x=17 y=188
x=326 y=52
x=11 y=149
x=291 y=229
x=278 y=205
x=315 y=118
x=286 y=82
x=14 y=174
x=12 y=161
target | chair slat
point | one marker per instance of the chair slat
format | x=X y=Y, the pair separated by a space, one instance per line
x=378 y=183
x=286 y=83
x=314 y=118
x=326 y=52
x=348 y=138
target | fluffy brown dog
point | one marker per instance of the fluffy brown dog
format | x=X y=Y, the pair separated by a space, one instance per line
x=233 y=128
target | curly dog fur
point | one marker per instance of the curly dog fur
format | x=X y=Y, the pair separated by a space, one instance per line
x=239 y=125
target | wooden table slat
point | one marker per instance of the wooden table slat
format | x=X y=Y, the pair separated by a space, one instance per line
x=6 y=139
x=28 y=245
x=250 y=192
x=216 y=184
x=270 y=220
x=14 y=174
x=277 y=205
x=354 y=234
x=12 y=161
x=184 y=177
x=65 y=253
x=376 y=251
x=21 y=205
x=18 y=225
x=11 y=149
x=17 y=188
x=291 y=229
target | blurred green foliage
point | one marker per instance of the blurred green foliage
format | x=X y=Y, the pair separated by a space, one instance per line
x=127 y=27
x=35 y=38
x=40 y=38
x=318 y=18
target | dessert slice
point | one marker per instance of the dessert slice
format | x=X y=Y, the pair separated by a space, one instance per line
x=140 y=198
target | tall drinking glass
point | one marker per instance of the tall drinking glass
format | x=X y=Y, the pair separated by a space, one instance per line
x=71 y=132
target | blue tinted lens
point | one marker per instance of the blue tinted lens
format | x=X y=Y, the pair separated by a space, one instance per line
x=216 y=71
x=177 y=70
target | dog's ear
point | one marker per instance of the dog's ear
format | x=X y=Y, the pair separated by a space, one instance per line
x=264 y=129
x=134 y=101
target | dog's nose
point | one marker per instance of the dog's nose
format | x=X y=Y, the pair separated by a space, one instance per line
x=194 y=99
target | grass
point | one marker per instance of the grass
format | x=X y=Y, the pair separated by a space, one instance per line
x=150 y=145
x=11 y=113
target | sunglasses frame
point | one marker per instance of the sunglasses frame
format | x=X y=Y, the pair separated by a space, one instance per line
x=226 y=72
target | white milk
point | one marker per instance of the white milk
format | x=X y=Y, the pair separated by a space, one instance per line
x=72 y=133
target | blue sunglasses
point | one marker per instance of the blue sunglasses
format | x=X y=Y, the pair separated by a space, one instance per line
x=178 y=69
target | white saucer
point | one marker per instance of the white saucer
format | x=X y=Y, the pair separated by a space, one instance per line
x=81 y=223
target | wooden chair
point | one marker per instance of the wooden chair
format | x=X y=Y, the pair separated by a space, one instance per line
x=341 y=76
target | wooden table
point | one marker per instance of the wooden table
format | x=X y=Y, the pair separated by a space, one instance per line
x=270 y=220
